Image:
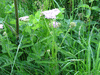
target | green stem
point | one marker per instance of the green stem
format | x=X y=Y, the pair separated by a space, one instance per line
x=65 y=36
x=16 y=55
x=17 y=21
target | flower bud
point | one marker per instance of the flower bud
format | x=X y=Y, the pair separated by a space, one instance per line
x=4 y=33
x=72 y=24
x=48 y=51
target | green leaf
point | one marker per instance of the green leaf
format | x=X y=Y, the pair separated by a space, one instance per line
x=1 y=19
x=35 y=21
x=88 y=13
x=31 y=18
x=36 y=27
x=33 y=56
x=90 y=1
x=19 y=54
x=62 y=10
x=28 y=29
x=60 y=16
x=58 y=32
x=96 y=8
x=37 y=15
x=13 y=21
x=68 y=54
x=84 y=6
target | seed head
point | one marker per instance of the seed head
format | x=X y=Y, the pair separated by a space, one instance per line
x=72 y=24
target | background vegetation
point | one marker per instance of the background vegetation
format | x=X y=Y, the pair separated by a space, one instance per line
x=45 y=50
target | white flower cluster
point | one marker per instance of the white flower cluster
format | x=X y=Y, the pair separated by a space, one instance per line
x=24 y=18
x=51 y=14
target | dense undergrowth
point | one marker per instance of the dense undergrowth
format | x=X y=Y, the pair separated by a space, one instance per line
x=69 y=48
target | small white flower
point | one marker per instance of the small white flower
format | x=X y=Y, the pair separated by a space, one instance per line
x=25 y=18
x=48 y=51
x=4 y=33
x=51 y=14
x=1 y=26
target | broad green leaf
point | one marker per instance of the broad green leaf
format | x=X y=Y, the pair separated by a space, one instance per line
x=90 y=1
x=12 y=6
x=84 y=6
x=31 y=18
x=35 y=27
x=58 y=32
x=13 y=22
x=37 y=15
x=62 y=10
x=60 y=16
x=22 y=23
x=96 y=8
x=28 y=29
x=35 y=21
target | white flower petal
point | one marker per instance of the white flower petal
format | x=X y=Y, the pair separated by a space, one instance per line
x=24 y=18
x=1 y=26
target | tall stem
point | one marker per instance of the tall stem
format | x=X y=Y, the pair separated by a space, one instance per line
x=17 y=22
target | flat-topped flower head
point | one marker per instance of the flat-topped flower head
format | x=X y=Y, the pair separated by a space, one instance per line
x=24 y=18
x=51 y=14
x=1 y=26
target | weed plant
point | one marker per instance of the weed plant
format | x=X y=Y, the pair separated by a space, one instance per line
x=71 y=48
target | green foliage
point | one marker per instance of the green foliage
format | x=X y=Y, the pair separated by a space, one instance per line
x=72 y=48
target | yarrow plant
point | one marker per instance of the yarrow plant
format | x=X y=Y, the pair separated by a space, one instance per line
x=51 y=14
